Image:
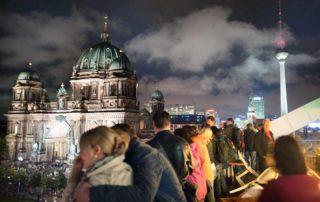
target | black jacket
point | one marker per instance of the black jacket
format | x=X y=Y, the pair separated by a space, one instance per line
x=234 y=134
x=177 y=151
x=215 y=131
x=249 y=140
x=261 y=143
x=154 y=179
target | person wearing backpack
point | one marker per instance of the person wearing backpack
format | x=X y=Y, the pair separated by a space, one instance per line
x=232 y=132
x=221 y=162
x=250 y=152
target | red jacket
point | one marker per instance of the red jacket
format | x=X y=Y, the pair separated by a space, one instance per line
x=292 y=188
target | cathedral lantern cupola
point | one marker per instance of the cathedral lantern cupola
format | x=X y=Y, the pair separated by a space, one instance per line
x=157 y=101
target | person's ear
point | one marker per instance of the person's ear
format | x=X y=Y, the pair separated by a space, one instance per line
x=97 y=150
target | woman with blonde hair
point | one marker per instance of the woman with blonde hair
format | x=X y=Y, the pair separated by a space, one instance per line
x=100 y=160
x=201 y=139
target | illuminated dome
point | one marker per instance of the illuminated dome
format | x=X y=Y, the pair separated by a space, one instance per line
x=157 y=95
x=103 y=56
x=28 y=74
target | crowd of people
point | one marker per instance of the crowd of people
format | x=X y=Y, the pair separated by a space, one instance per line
x=186 y=165
x=26 y=180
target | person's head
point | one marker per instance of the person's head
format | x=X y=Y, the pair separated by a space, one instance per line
x=266 y=124
x=288 y=156
x=221 y=125
x=259 y=126
x=211 y=121
x=229 y=121
x=206 y=133
x=191 y=130
x=250 y=126
x=181 y=132
x=97 y=143
x=161 y=121
x=124 y=128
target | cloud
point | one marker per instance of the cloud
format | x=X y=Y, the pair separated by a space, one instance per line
x=222 y=60
x=43 y=38
x=202 y=38
x=226 y=60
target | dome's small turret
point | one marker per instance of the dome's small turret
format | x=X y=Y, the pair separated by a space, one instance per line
x=157 y=95
x=28 y=74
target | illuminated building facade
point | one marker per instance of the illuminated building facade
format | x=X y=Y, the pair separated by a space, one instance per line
x=255 y=109
x=103 y=92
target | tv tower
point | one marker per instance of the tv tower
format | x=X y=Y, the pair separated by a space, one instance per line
x=282 y=55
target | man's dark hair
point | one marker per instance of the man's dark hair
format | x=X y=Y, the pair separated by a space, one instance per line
x=211 y=118
x=191 y=130
x=230 y=119
x=161 y=119
x=125 y=128
x=288 y=156
x=181 y=132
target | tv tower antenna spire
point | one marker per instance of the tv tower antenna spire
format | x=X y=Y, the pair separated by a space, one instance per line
x=282 y=55
x=281 y=42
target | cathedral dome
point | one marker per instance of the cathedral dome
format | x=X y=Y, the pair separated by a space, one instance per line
x=157 y=95
x=103 y=56
x=28 y=74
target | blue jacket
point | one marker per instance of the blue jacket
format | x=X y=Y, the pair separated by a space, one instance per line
x=154 y=179
x=177 y=150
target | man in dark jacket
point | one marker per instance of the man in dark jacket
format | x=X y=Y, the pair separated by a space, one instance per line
x=220 y=184
x=250 y=152
x=212 y=147
x=233 y=133
x=176 y=149
x=154 y=178
x=262 y=140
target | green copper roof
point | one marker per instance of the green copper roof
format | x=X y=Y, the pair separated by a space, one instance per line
x=28 y=74
x=103 y=56
x=157 y=95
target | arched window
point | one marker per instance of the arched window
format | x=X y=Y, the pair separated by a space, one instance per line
x=86 y=63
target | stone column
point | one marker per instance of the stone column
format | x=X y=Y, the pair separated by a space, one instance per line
x=120 y=87
x=107 y=90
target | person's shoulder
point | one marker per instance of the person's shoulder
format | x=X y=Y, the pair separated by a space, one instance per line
x=142 y=149
x=275 y=184
x=260 y=132
x=309 y=179
x=214 y=128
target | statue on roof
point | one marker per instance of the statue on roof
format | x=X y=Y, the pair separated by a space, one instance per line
x=62 y=97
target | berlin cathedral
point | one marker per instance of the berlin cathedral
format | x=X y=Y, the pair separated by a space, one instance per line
x=103 y=92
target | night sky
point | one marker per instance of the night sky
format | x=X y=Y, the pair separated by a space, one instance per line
x=209 y=53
